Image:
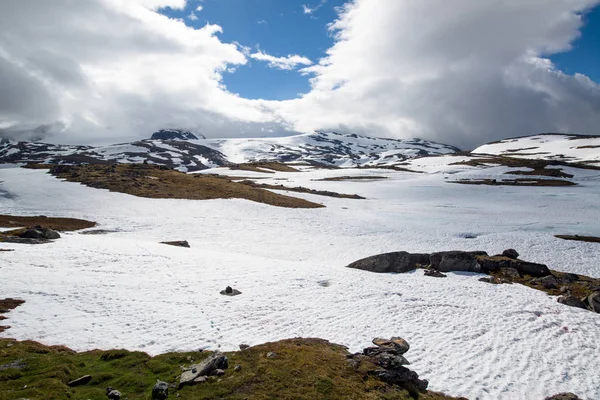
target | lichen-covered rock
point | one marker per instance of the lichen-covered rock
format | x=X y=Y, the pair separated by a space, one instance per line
x=572 y=301
x=594 y=301
x=160 y=391
x=207 y=367
x=399 y=261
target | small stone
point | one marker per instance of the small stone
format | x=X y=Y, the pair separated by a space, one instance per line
x=244 y=346
x=80 y=381
x=229 y=291
x=218 y=372
x=510 y=253
x=563 y=396
x=200 y=379
x=271 y=355
x=490 y=279
x=113 y=394
x=178 y=243
x=237 y=368
x=435 y=273
x=160 y=391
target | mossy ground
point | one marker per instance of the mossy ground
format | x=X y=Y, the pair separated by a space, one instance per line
x=303 y=369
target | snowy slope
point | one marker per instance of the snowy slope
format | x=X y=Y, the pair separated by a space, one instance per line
x=568 y=148
x=471 y=339
x=193 y=155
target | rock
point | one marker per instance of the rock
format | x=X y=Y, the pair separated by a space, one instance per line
x=399 y=261
x=510 y=253
x=229 y=291
x=434 y=273
x=19 y=240
x=448 y=261
x=237 y=368
x=402 y=376
x=160 y=391
x=533 y=269
x=244 y=346
x=80 y=381
x=174 y=134
x=200 y=379
x=178 y=243
x=218 y=372
x=113 y=394
x=572 y=301
x=207 y=367
x=548 y=282
x=594 y=301
x=271 y=355
x=563 y=396
x=491 y=279
x=510 y=273
x=39 y=232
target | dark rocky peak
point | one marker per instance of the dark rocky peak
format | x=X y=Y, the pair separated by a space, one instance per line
x=175 y=134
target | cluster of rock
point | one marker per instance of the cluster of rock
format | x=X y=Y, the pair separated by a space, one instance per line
x=388 y=356
x=35 y=235
x=501 y=268
x=214 y=365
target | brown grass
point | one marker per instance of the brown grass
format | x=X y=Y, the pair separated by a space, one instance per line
x=5 y=306
x=351 y=178
x=162 y=183
x=589 y=239
x=516 y=182
x=264 y=167
x=300 y=189
x=58 y=224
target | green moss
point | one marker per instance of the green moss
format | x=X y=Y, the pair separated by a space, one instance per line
x=303 y=369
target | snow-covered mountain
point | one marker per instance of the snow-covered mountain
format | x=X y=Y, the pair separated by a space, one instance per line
x=561 y=147
x=330 y=148
x=175 y=134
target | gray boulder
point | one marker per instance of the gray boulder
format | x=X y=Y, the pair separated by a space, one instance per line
x=563 y=396
x=572 y=301
x=229 y=291
x=533 y=269
x=548 y=282
x=113 y=394
x=594 y=301
x=160 y=391
x=510 y=253
x=448 y=261
x=39 y=233
x=207 y=367
x=399 y=261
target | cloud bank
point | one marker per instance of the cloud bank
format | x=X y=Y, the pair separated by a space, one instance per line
x=459 y=71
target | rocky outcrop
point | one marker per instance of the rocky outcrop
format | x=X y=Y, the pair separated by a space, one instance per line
x=39 y=232
x=448 y=261
x=174 y=134
x=399 y=261
x=510 y=253
x=229 y=291
x=388 y=356
x=563 y=396
x=192 y=375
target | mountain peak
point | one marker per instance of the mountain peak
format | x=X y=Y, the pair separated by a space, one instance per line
x=174 y=134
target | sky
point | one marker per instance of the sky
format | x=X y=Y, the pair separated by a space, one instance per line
x=455 y=71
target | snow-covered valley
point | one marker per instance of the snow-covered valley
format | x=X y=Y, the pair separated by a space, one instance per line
x=124 y=289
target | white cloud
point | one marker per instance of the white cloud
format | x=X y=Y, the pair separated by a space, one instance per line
x=289 y=62
x=199 y=8
x=458 y=71
x=309 y=10
x=192 y=17
x=461 y=71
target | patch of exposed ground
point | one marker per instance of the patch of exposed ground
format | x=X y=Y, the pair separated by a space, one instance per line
x=58 y=224
x=351 y=178
x=300 y=189
x=151 y=181
x=392 y=167
x=264 y=167
x=5 y=306
x=299 y=369
x=539 y=167
x=589 y=239
x=516 y=182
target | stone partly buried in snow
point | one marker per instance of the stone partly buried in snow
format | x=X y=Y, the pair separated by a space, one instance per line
x=399 y=261
x=215 y=362
x=448 y=261
x=229 y=291
x=178 y=243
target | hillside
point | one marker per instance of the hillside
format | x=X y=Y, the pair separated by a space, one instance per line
x=557 y=147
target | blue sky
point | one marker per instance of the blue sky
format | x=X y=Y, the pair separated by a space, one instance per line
x=277 y=27
x=284 y=27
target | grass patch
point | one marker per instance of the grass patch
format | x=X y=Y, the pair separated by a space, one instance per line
x=589 y=239
x=264 y=167
x=300 y=189
x=58 y=224
x=516 y=182
x=303 y=369
x=162 y=183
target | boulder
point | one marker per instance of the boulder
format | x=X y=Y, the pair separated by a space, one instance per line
x=207 y=367
x=434 y=273
x=532 y=269
x=563 y=396
x=80 y=381
x=548 y=282
x=113 y=394
x=448 y=261
x=594 y=301
x=39 y=232
x=271 y=355
x=491 y=279
x=178 y=243
x=399 y=261
x=229 y=291
x=160 y=391
x=510 y=253
x=244 y=346
x=572 y=301
x=510 y=273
